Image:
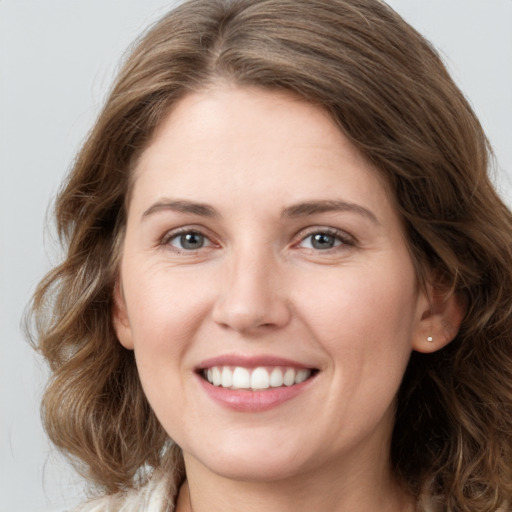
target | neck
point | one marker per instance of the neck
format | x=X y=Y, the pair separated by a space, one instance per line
x=315 y=490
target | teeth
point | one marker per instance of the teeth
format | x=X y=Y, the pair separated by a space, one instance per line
x=216 y=377
x=289 y=377
x=276 y=378
x=241 y=378
x=226 y=379
x=259 y=378
x=301 y=376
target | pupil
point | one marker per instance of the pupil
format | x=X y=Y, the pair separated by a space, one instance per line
x=192 y=241
x=322 y=241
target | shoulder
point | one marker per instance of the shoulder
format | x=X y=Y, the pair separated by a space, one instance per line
x=155 y=496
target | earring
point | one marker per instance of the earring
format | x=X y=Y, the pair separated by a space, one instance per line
x=430 y=339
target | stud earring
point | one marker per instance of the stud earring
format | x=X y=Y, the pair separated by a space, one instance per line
x=430 y=339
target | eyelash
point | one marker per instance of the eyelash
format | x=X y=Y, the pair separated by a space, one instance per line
x=341 y=239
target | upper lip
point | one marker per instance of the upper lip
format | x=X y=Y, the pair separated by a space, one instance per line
x=251 y=362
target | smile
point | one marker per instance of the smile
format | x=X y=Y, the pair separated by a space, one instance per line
x=255 y=379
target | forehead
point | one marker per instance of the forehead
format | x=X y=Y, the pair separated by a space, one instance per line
x=232 y=139
x=239 y=119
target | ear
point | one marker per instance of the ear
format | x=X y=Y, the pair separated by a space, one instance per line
x=120 y=318
x=441 y=314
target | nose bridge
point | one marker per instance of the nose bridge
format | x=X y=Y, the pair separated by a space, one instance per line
x=252 y=296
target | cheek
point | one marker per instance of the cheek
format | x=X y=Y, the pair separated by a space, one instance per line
x=365 y=320
x=164 y=324
x=165 y=310
x=361 y=302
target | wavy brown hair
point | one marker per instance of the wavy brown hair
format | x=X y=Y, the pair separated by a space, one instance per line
x=392 y=97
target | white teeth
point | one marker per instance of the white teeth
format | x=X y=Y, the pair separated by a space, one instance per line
x=276 y=378
x=226 y=377
x=260 y=379
x=301 y=376
x=289 y=377
x=241 y=378
x=216 y=377
x=257 y=379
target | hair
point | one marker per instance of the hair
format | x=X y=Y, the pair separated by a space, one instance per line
x=390 y=94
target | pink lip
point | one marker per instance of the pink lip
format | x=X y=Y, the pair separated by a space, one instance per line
x=252 y=401
x=249 y=361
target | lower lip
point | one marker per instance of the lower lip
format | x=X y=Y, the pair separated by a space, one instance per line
x=246 y=400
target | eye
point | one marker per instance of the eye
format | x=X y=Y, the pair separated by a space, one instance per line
x=325 y=240
x=189 y=241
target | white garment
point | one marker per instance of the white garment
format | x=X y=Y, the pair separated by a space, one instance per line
x=155 y=496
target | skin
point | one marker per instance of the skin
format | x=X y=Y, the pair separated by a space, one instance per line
x=259 y=286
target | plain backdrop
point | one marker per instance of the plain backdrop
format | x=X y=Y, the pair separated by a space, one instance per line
x=57 y=59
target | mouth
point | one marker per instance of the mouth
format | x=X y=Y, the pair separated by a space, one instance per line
x=254 y=384
x=259 y=378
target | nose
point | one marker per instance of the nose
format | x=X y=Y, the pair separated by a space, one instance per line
x=252 y=299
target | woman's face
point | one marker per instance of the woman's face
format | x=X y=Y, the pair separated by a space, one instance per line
x=266 y=289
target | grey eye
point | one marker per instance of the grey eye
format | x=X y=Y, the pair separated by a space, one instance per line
x=189 y=241
x=321 y=241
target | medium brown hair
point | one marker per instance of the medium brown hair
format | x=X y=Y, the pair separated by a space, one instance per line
x=392 y=97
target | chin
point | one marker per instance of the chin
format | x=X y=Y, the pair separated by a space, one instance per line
x=268 y=471
x=252 y=463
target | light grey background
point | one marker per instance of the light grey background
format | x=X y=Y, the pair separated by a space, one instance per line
x=57 y=59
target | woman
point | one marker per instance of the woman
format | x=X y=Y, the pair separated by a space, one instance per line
x=288 y=277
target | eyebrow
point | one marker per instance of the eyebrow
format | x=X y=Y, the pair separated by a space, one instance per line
x=313 y=207
x=181 y=206
x=296 y=210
